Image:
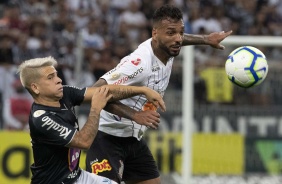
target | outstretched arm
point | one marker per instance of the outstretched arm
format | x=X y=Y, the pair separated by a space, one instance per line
x=148 y=118
x=212 y=39
x=119 y=92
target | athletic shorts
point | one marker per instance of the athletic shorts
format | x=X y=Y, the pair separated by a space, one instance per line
x=86 y=178
x=121 y=158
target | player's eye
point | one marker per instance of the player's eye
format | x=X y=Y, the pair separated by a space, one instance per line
x=170 y=33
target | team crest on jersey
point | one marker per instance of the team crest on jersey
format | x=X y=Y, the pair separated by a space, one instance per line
x=99 y=167
x=155 y=68
x=115 y=76
x=136 y=62
x=38 y=113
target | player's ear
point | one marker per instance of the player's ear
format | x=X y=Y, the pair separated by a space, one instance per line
x=154 y=33
x=34 y=88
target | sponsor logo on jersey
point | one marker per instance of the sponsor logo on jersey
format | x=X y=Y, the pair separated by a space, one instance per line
x=115 y=76
x=155 y=68
x=126 y=78
x=73 y=174
x=156 y=82
x=64 y=131
x=98 y=167
x=136 y=62
x=74 y=154
x=38 y=113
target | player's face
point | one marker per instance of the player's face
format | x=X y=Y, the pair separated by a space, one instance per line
x=50 y=85
x=169 y=36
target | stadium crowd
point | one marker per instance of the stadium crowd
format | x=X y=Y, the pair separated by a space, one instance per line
x=103 y=31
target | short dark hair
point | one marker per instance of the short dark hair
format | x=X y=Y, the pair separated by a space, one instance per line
x=167 y=12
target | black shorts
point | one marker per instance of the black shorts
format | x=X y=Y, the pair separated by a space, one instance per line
x=121 y=158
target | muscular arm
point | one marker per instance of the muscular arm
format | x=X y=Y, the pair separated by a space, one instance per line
x=84 y=138
x=213 y=39
x=190 y=39
x=116 y=107
x=147 y=118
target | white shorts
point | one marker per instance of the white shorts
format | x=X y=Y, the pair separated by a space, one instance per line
x=90 y=178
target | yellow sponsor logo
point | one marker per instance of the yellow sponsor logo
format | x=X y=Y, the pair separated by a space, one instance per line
x=98 y=167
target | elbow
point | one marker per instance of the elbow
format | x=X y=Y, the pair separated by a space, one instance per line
x=86 y=145
x=85 y=148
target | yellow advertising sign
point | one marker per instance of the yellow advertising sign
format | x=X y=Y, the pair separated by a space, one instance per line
x=212 y=153
x=15 y=157
x=218 y=153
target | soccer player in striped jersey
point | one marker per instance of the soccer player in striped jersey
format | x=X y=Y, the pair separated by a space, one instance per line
x=119 y=152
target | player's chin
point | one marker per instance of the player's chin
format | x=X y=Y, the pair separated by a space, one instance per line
x=174 y=53
x=60 y=95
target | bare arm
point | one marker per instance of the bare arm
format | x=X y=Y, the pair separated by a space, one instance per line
x=121 y=92
x=212 y=39
x=147 y=118
x=84 y=138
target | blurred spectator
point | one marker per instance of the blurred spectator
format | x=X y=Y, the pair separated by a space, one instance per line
x=121 y=48
x=103 y=62
x=109 y=21
x=206 y=21
x=120 y=6
x=91 y=36
x=17 y=107
x=38 y=41
x=132 y=21
x=35 y=7
x=66 y=63
x=12 y=23
x=82 y=11
x=6 y=51
x=21 y=51
x=65 y=36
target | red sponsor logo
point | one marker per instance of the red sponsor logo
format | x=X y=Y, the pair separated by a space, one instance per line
x=98 y=167
x=126 y=78
x=136 y=62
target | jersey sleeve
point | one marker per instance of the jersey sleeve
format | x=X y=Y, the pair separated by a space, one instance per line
x=74 y=94
x=50 y=129
x=132 y=70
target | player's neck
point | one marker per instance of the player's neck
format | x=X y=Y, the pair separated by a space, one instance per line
x=47 y=102
x=160 y=54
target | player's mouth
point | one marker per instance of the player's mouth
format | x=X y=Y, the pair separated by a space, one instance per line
x=176 y=48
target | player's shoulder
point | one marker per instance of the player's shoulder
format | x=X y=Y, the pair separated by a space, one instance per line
x=69 y=87
x=40 y=111
x=145 y=48
x=143 y=54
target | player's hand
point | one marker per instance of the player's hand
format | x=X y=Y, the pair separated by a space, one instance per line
x=100 y=98
x=215 y=38
x=155 y=98
x=149 y=118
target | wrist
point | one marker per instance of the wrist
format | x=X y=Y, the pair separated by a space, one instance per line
x=206 y=40
x=94 y=111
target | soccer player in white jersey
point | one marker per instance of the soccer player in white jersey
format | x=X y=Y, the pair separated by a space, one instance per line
x=119 y=152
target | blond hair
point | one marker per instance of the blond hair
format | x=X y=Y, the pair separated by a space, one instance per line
x=29 y=70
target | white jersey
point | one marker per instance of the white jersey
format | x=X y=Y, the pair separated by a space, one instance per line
x=140 y=68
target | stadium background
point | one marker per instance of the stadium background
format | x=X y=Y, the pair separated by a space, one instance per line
x=236 y=133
